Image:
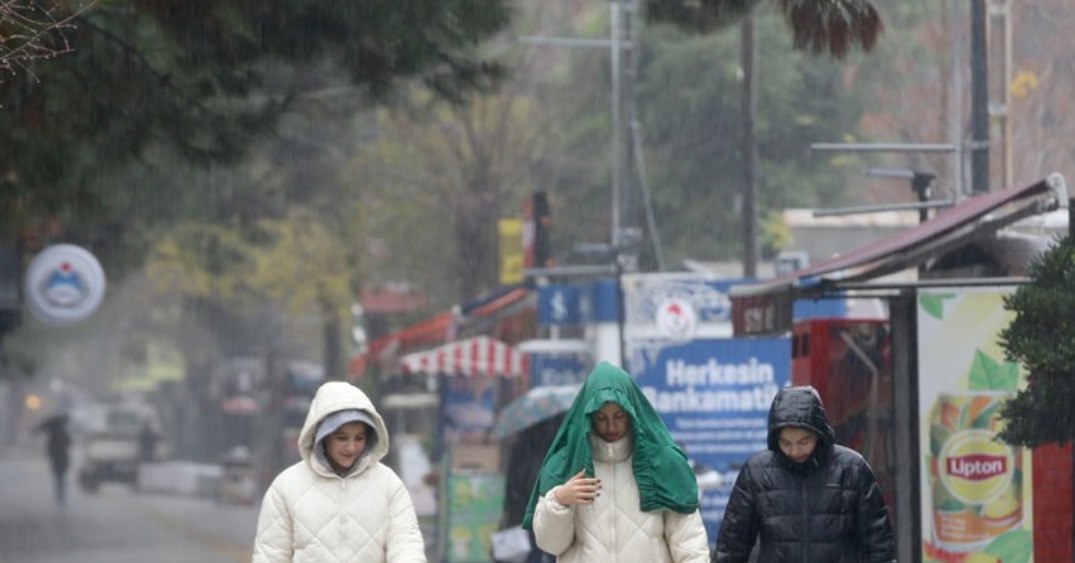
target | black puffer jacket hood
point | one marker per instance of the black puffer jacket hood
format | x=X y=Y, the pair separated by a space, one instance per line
x=828 y=509
x=800 y=407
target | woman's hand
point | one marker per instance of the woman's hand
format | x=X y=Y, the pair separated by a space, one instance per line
x=579 y=489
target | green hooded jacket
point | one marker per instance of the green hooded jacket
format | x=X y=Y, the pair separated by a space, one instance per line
x=665 y=479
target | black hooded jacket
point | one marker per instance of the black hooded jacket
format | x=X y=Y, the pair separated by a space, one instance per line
x=828 y=509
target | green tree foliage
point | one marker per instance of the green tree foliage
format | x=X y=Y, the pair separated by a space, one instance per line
x=687 y=94
x=267 y=243
x=435 y=179
x=697 y=160
x=204 y=78
x=1042 y=339
x=294 y=263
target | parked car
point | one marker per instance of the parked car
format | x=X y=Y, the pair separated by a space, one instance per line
x=116 y=438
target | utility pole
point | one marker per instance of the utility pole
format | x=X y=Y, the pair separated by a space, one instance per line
x=631 y=236
x=999 y=42
x=616 y=46
x=749 y=148
x=956 y=109
x=623 y=243
x=616 y=17
x=979 y=99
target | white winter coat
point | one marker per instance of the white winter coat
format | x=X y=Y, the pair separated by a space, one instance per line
x=311 y=515
x=614 y=529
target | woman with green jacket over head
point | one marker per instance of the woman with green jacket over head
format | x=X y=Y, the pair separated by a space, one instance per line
x=614 y=486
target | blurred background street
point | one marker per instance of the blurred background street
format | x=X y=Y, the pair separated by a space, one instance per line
x=115 y=525
x=210 y=208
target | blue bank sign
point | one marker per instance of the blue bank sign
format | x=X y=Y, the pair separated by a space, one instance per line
x=714 y=396
x=559 y=304
x=548 y=370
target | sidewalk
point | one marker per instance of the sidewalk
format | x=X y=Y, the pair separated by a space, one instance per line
x=117 y=524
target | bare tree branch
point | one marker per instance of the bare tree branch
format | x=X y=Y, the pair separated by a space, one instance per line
x=30 y=31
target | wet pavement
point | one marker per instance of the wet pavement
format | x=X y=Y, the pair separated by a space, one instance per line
x=115 y=525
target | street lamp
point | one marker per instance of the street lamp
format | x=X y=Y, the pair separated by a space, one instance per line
x=921 y=183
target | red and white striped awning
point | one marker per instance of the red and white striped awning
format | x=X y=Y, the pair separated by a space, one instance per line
x=480 y=355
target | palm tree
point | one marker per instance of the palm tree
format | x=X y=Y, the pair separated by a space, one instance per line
x=819 y=26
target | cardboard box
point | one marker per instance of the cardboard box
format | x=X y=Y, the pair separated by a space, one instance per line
x=476 y=457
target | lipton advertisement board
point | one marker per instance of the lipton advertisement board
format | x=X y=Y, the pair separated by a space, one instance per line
x=976 y=490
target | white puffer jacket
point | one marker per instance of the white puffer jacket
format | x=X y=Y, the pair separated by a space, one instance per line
x=613 y=529
x=311 y=515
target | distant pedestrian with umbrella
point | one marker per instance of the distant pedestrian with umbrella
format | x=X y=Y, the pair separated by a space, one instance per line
x=536 y=406
x=614 y=486
x=57 y=446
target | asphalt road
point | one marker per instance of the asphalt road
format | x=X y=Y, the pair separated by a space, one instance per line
x=115 y=525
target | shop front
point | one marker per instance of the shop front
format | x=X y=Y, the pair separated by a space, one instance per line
x=918 y=392
x=474 y=378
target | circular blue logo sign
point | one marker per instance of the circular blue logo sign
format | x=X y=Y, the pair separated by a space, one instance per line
x=64 y=285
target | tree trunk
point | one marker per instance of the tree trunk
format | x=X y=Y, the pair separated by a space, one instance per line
x=332 y=338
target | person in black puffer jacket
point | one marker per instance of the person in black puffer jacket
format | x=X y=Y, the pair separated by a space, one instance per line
x=809 y=500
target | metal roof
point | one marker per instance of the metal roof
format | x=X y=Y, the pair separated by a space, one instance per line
x=972 y=218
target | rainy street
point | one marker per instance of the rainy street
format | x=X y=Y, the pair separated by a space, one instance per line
x=115 y=525
x=405 y=268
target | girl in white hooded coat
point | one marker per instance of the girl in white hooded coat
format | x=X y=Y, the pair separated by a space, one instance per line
x=339 y=503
